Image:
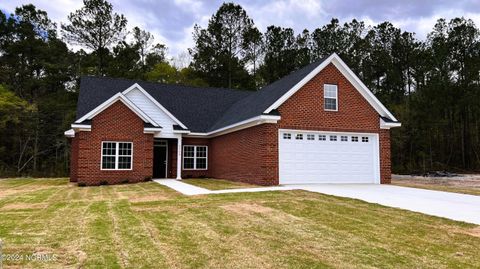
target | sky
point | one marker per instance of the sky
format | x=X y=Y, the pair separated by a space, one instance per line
x=172 y=21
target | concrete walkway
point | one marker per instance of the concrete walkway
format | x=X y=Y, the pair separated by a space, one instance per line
x=455 y=206
x=188 y=189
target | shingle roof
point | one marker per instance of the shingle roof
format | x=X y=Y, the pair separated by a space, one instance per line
x=200 y=109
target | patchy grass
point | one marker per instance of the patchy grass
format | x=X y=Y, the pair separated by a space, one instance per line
x=147 y=225
x=466 y=186
x=217 y=184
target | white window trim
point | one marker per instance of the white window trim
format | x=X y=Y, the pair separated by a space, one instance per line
x=336 y=97
x=194 y=157
x=117 y=148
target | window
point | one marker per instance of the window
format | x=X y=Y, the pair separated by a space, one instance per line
x=299 y=137
x=322 y=137
x=330 y=97
x=354 y=138
x=333 y=138
x=364 y=139
x=310 y=137
x=116 y=155
x=195 y=157
x=343 y=138
x=287 y=136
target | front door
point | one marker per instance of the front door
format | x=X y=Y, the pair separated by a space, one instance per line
x=160 y=159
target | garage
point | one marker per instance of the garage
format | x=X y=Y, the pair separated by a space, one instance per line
x=328 y=157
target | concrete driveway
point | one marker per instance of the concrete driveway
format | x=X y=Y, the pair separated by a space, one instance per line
x=461 y=207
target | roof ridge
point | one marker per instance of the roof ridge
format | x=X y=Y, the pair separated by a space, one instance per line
x=164 y=84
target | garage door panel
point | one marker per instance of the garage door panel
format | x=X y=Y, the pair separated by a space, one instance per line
x=351 y=158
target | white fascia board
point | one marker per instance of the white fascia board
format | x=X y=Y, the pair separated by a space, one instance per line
x=151 y=130
x=69 y=133
x=181 y=131
x=81 y=126
x=388 y=125
x=137 y=86
x=351 y=77
x=117 y=97
x=239 y=126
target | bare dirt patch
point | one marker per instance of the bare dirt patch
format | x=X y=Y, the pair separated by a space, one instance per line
x=147 y=198
x=20 y=206
x=474 y=231
x=468 y=184
x=247 y=209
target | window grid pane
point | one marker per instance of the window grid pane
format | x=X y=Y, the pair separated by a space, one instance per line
x=330 y=103
x=330 y=91
x=108 y=162
x=333 y=138
x=201 y=152
x=201 y=163
x=109 y=148
x=195 y=157
x=124 y=162
x=117 y=155
x=322 y=137
x=188 y=151
x=188 y=163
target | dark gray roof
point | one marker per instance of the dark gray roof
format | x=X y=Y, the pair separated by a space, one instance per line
x=388 y=120
x=200 y=109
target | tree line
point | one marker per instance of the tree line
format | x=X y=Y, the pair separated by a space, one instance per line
x=431 y=85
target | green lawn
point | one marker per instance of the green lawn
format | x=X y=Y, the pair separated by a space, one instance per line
x=147 y=225
x=217 y=184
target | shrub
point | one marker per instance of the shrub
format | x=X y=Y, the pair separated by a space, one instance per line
x=125 y=181
x=147 y=179
x=81 y=184
x=103 y=182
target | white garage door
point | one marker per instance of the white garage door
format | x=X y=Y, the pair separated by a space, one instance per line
x=326 y=157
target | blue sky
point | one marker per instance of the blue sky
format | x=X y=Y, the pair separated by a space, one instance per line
x=172 y=21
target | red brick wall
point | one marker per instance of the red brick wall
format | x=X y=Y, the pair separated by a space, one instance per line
x=248 y=155
x=116 y=123
x=304 y=110
x=73 y=159
x=385 y=158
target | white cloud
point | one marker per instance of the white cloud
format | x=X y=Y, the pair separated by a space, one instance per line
x=171 y=22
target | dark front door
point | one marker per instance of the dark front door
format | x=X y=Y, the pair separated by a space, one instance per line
x=160 y=162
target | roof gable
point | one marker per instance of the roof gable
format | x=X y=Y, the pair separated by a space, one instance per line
x=117 y=97
x=147 y=103
x=348 y=74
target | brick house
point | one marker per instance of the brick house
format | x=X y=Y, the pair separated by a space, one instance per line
x=320 y=124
